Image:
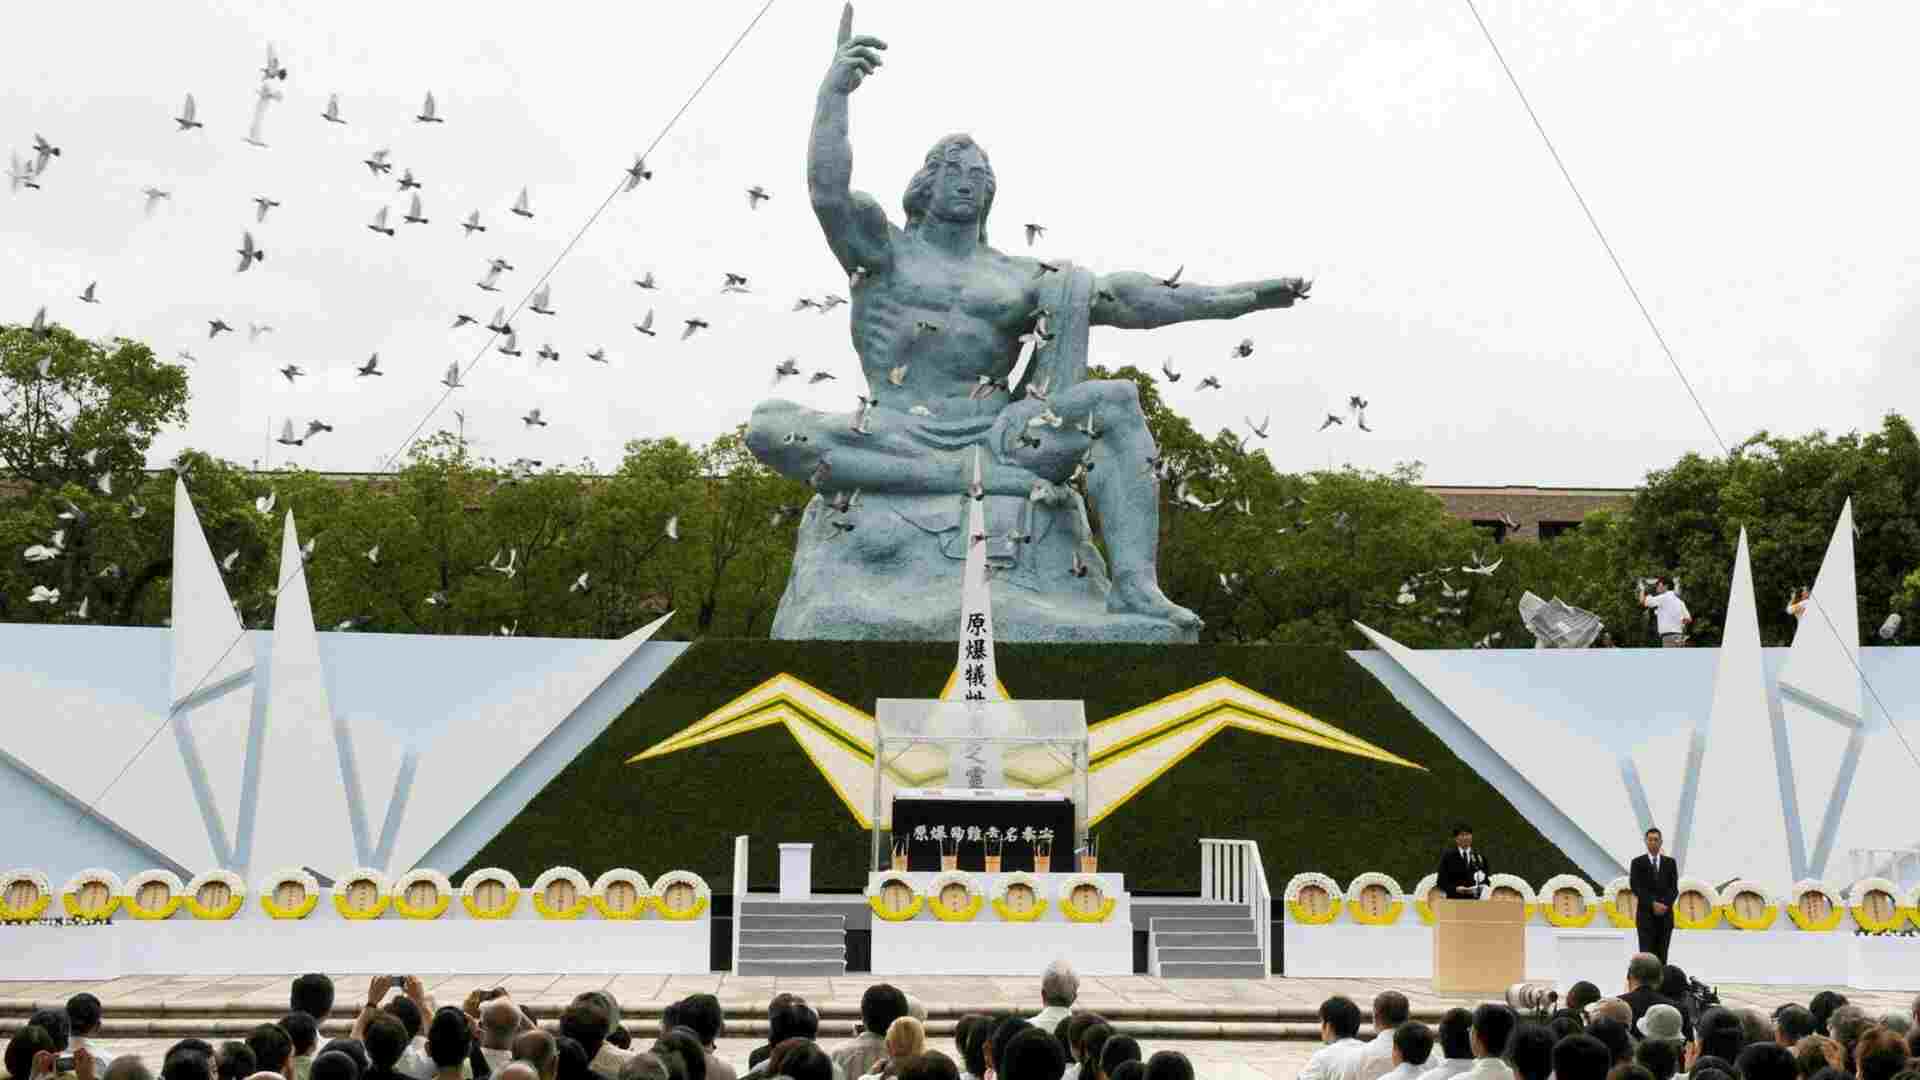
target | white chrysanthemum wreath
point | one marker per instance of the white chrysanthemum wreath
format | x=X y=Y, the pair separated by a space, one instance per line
x=42 y=893
x=442 y=893
x=1857 y=904
x=620 y=875
x=130 y=898
x=490 y=875
x=1836 y=907
x=1395 y=906
x=702 y=896
x=1730 y=901
x=236 y=895
x=1589 y=900
x=291 y=875
x=70 y=894
x=582 y=893
x=1005 y=882
x=342 y=900
x=1298 y=884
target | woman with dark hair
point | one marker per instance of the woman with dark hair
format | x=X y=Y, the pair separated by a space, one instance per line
x=1003 y=1033
x=1118 y=1049
x=1169 y=1065
x=969 y=1037
x=682 y=1043
x=1092 y=1045
x=1130 y=1070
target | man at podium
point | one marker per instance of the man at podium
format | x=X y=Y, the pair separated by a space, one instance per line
x=1463 y=871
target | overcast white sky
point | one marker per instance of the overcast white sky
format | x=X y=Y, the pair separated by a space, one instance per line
x=1751 y=162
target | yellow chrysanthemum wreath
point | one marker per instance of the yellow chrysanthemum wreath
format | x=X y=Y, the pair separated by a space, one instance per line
x=976 y=899
x=582 y=893
x=70 y=894
x=383 y=897
x=236 y=895
x=484 y=876
x=294 y=875
x=442 y=893
x=880 y=910
x=130 y=898
x=1005 y=882
x=1072 y=883
x=621 y=876
x=42 y=895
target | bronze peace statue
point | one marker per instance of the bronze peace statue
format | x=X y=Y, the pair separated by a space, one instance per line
x=940 y=321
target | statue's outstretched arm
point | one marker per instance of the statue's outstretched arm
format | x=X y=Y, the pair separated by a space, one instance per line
x=855 y=225
x=1141 y=302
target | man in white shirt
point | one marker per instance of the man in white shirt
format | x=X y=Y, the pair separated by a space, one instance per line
x=1059 y=988
x=1670 y=615
x=83 y=1022
x=1456 y=1046
x=1375 y=1060
x=1412 y=1048
x=1339 y=1029
x=1492 y=1026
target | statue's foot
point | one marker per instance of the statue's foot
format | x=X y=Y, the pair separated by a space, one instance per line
x=1138 y=593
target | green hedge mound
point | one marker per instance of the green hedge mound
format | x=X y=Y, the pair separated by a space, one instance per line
x=1309 y=808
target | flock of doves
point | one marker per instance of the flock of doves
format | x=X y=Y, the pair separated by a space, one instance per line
x=26 y=173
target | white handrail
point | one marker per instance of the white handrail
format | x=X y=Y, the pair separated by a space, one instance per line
x=739 y=895
x=1232 y=872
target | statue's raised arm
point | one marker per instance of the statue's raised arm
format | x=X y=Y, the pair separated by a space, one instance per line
x=855 y=225
x=1134 y=301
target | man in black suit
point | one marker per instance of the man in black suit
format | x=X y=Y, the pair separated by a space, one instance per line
x=1655 y=880
x=1462 y=870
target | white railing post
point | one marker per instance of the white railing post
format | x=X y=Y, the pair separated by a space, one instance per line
x=739 y=895
x=1206 y=870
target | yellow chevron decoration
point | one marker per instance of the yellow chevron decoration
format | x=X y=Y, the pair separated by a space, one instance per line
x=1127 y=752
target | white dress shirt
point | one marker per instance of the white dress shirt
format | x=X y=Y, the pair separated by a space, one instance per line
x=1049 y=1018
x=1489 y=1068
x=1406 y=1070
x=1446 y=1068
x=1374 y=1060
x=1332 y=1061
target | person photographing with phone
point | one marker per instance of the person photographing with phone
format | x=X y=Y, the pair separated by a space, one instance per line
x=1670 y=614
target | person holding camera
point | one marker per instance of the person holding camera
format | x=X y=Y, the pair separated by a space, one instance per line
x=1670 y=614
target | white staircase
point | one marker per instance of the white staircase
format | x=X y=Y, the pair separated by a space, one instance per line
x=1228 y=934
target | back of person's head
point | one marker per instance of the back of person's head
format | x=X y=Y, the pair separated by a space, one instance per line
x=1815 y=1052
x=1492 y=1025
x=386 y=1038
x=1710 y=1072
x=643 y=1066
x=606 y=1002
x=1673 y=982
x=1130 y=1070
x=701 y=1013
x=1062 y=1034
x=1612 y=1008
x=1897 y=1022
x=1564 y=1027
x=1456 y=1033
x=499 y=1023
x=808 y=1062
x=354 y=1049
x=1913 y=1042
x=1629 y=1071
x=22 y=1048
x=235 y=1061
x=1034 y=1055
x=1390 y=1009
x=303 y=1030
x=1614 y=1035
x=1770 y=1061
x=132 y=1067
x=1581 y=1057
x=1719 y=1034
x=932 y=1065
x=1661 y=1058
x=332 y=1065
x=669 y=1017
x=1059 y=985
x=575 y=1062
x=537 y=1048
x=1340 y=1016
x=1173 y=1065
x=1754 y=1026
x=1118 y=1049
x=83 y=1014
x=408 y=1013
x=265 y=1075
x=1828 y=1073
x=880 y=1006
x=1879 y=1055
x=1791 y=1023
x=179 y=1064
x=967 y=1039
x=684 y=1044
x=516 y=1070
x=905 y=1038
x=1822 y=1007
x=1412 y=1042
x=1530 y=1051
x=1582 y=994
x=1092 y=1045
x=586 y=1023
x=272 y=1047
x=776 y=1061
x=54 y=1022
x=449 y=1037
x=792 y=1019
x=1004 y=1030
x=190 y=1043
x=1644 y=970
x=312 y=994
x=1076 y=1032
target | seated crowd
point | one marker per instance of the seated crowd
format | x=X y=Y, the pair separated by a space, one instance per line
x=1655 y=1030
x=400 y=1033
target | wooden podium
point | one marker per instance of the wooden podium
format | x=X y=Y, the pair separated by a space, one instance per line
x=1479 y=946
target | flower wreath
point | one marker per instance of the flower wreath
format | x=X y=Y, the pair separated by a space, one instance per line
x=618 y=876
x=582 y=891
x=43 y=894
x=1528 y=898
x=873 y=899
x=1394 y=908
x=1800 y=890
x=975 y=898
x=1610 y=902
x=236 y=895
x=490 y=875
x=1065 y=894
x=1589 y=900
x=70 y=894
x=1007 y=881
x=1420 y=891
x=1705 y=888
x=383 y=897
x=1769 y=910
x=1857 y=904
x=442 y=892
x=310 y=889
x=1334 y=896
x=130 y=898
x=1912 y=906
x=701 y=894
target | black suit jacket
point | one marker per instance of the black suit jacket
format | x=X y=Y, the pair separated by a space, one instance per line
x=1642 y=998
x=1455 y=871
x=1649 y=887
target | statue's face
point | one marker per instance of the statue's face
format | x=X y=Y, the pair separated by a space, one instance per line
x=960 y=189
